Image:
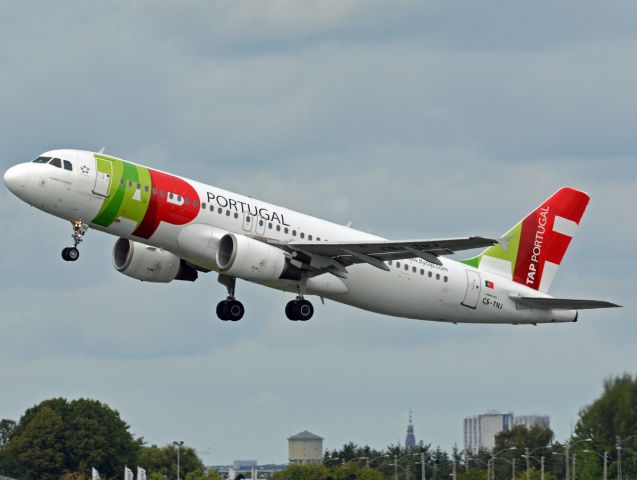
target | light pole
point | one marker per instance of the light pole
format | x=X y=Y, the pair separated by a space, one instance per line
x=527 y=456
x=567 y=447
x=510 y=462
x=604 y=457
x=493 y=456
x=620 y=441
x=178 y=445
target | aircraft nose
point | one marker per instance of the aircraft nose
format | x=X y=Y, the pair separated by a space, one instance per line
x=16 y=178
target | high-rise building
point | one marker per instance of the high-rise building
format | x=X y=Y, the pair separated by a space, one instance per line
x=530 y=421
x=480 y=430
x=410 y=438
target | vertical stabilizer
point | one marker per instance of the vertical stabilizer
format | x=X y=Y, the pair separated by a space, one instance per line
x=531 y=252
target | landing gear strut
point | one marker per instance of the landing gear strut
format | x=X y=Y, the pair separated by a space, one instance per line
x=71 y=254
x=229 y=309
x=299 y=308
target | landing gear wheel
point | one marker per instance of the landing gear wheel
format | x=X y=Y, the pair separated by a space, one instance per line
x=299 y=309
x=70 y=254
x=232 y=310
x=222 y=310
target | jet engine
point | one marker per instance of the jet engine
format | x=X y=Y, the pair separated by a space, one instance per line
x=244 y=257
x=150 y=264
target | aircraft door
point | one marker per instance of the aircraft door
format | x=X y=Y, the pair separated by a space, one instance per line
x=260 y=225
x=248 y=220
x=473 y=289
x=103 y=177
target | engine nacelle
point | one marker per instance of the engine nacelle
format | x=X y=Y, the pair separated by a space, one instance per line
x=150 y=264
x=244 y=257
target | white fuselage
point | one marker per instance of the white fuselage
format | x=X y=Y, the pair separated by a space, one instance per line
x=413 y=288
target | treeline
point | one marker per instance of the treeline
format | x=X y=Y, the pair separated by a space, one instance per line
x=61 y=439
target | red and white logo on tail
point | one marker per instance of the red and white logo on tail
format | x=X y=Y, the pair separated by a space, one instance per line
x=545 y=235
x=531 y=252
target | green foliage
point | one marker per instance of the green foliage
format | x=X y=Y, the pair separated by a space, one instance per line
x=163 y=460
x=57 y=436
x=612 y=415
x=473 y=474
x=303 y=472
x=7 y=427
x=521 y=437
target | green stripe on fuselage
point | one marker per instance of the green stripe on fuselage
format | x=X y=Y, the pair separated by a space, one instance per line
x=122 y=201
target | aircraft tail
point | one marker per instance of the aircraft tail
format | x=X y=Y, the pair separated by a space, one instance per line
x=531 y=252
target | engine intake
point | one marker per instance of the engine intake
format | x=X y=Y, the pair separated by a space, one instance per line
x=250 y=259
x=150 y=264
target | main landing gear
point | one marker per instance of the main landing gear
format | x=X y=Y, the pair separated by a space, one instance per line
x=299 y=309
x=229 y=309
x=71 y=254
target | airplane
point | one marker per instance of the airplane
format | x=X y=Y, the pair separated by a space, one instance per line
x=172 y=228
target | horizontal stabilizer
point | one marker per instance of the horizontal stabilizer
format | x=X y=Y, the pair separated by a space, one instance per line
x=562 y=303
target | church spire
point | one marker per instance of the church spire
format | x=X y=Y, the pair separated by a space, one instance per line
x=410 y=439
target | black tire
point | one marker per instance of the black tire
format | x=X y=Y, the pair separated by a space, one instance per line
x=304 y=310
x=222 y=310
x=73 y=254
x=65 y=254
x=235 y=311
x=290 y=310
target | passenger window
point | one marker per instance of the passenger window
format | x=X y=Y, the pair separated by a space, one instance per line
x=413 y=269
x=227 y=213
x=220 y=210
x=163 y=194
x=187 y=201
x=278 y=228
x=445 y=279
x=146 y=188
x=196 y=204
x=121 y=181
x=170 y=195
x=212 y=208
x=387 y=262
x=302 y=235
x=437 y=276
x=179 y=198
x=318 y=239
x=247 y=218
x=236 y=215
x=406 y=267
x=309 y=237
x=422 y=272
x=203 y=205
x=56 y=162
x=68 y=166
x=270 y=225
x=139 y=187
x=397 y=264
x=429 y=274
x=130 y=184
x=260 y=223
x=286 y=230
x=154 y=191
x=294 y=233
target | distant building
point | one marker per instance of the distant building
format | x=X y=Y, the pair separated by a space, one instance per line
x=530 y=421
x=244 y=464
x=410 y=438
x=480 y=431
x=305 y=448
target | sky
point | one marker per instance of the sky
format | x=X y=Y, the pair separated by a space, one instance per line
x=412 y=119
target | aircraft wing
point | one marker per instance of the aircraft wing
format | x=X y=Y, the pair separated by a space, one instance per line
x=562 y=303
x=376 y=252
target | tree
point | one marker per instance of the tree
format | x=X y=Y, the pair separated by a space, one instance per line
x=59 y=436
x=303 y=472
x=7 y=427
x=613 y=415
x=164 y=461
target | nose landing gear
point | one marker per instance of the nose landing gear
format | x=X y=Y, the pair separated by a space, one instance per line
x=71 y=254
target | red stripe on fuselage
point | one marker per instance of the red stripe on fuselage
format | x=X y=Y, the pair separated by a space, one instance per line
x=160 y=209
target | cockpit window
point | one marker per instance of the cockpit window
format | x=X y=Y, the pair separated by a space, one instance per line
x=68 y=166
x=56 y=162
x=42 y=160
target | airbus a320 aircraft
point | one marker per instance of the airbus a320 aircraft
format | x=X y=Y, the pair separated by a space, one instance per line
x=171 y=228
